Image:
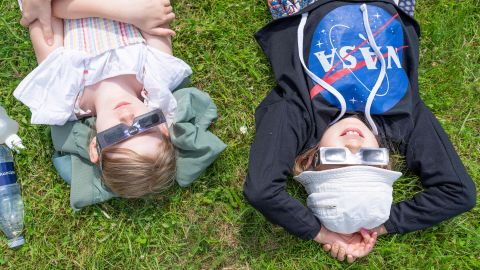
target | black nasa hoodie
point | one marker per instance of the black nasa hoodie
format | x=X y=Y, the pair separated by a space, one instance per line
x=333 y=59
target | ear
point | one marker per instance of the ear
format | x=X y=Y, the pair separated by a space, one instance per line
x=92 y=150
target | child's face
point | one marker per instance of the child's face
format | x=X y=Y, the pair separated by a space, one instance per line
x=124 y=110
x=349 y=132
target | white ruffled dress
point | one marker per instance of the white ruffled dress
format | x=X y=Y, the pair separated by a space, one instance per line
x=96 y=49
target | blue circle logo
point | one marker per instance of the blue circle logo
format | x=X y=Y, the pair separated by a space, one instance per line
x=341 y=55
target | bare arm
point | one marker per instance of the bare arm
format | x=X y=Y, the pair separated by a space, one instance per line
x=42 y=49
x=38 y=10
x=162 y=43
x=149 y=15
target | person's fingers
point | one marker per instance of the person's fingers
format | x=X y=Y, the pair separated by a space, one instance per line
x=341 y=254
x=366 y=249
x=168 y=9
x=26 y=21
x=327 y=247
x=166 y=3
x=365 y=235
x=371 y=242
x=334 y=250
x=169 y=17
x=374 y=237
x=164 y=32
x=350 y=258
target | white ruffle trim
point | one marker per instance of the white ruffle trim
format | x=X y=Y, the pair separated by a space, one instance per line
x=51 y=89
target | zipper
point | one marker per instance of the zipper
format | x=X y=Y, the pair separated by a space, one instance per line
x=326 y=206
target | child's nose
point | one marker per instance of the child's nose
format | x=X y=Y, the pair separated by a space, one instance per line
x=127 y=118
x=353 y=147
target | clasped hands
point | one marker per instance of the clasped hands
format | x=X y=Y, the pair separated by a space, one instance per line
x=150 y=16
x=349 y=246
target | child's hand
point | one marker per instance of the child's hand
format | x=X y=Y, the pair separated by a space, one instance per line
x=151 y=16
x=350 y=246
x=40 y=10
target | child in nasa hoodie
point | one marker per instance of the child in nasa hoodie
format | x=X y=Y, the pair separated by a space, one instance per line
x=332 y=60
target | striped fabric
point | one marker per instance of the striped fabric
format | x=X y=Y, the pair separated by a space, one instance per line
x=97 y=35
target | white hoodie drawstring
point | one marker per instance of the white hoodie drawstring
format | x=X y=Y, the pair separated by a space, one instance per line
x=381 y=76
x=331 y=89
x=314 y=77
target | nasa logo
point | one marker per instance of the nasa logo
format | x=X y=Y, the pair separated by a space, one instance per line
x=341 y=55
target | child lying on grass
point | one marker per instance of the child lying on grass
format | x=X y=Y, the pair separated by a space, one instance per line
x=336 y=62
x=100 y=65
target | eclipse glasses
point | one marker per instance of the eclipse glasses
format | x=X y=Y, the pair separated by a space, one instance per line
x=342 y=155
x=122 y=132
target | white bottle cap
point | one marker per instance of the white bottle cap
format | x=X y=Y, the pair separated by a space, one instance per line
x=16 y=242
x=14 y=142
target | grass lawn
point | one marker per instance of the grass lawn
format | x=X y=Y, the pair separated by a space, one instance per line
x=209 y=225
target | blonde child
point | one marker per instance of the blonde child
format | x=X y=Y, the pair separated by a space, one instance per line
x=100 y=65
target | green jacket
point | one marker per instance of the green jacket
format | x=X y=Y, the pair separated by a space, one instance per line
x=196 y=148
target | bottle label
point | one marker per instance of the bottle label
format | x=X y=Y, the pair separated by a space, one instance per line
x=7 y=174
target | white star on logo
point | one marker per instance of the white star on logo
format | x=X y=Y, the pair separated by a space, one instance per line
x=319 y=44
x=353 y=100
x=377 y=15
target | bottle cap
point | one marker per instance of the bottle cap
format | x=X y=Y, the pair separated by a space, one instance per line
x=16 y=242
x=14 y=142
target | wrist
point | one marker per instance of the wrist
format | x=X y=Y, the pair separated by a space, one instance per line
x=380 y=230
x=320 y=237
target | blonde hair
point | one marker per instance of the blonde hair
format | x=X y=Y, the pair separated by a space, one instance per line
x=133 y=175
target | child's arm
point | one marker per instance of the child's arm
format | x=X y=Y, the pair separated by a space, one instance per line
x=148 y=15
x=162 y=43
x=448 y=189
x=42 y=49
x=38 y=10
x=281 y=133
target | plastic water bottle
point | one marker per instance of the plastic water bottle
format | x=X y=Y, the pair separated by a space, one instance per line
x=11 y=202
x=8 y=131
